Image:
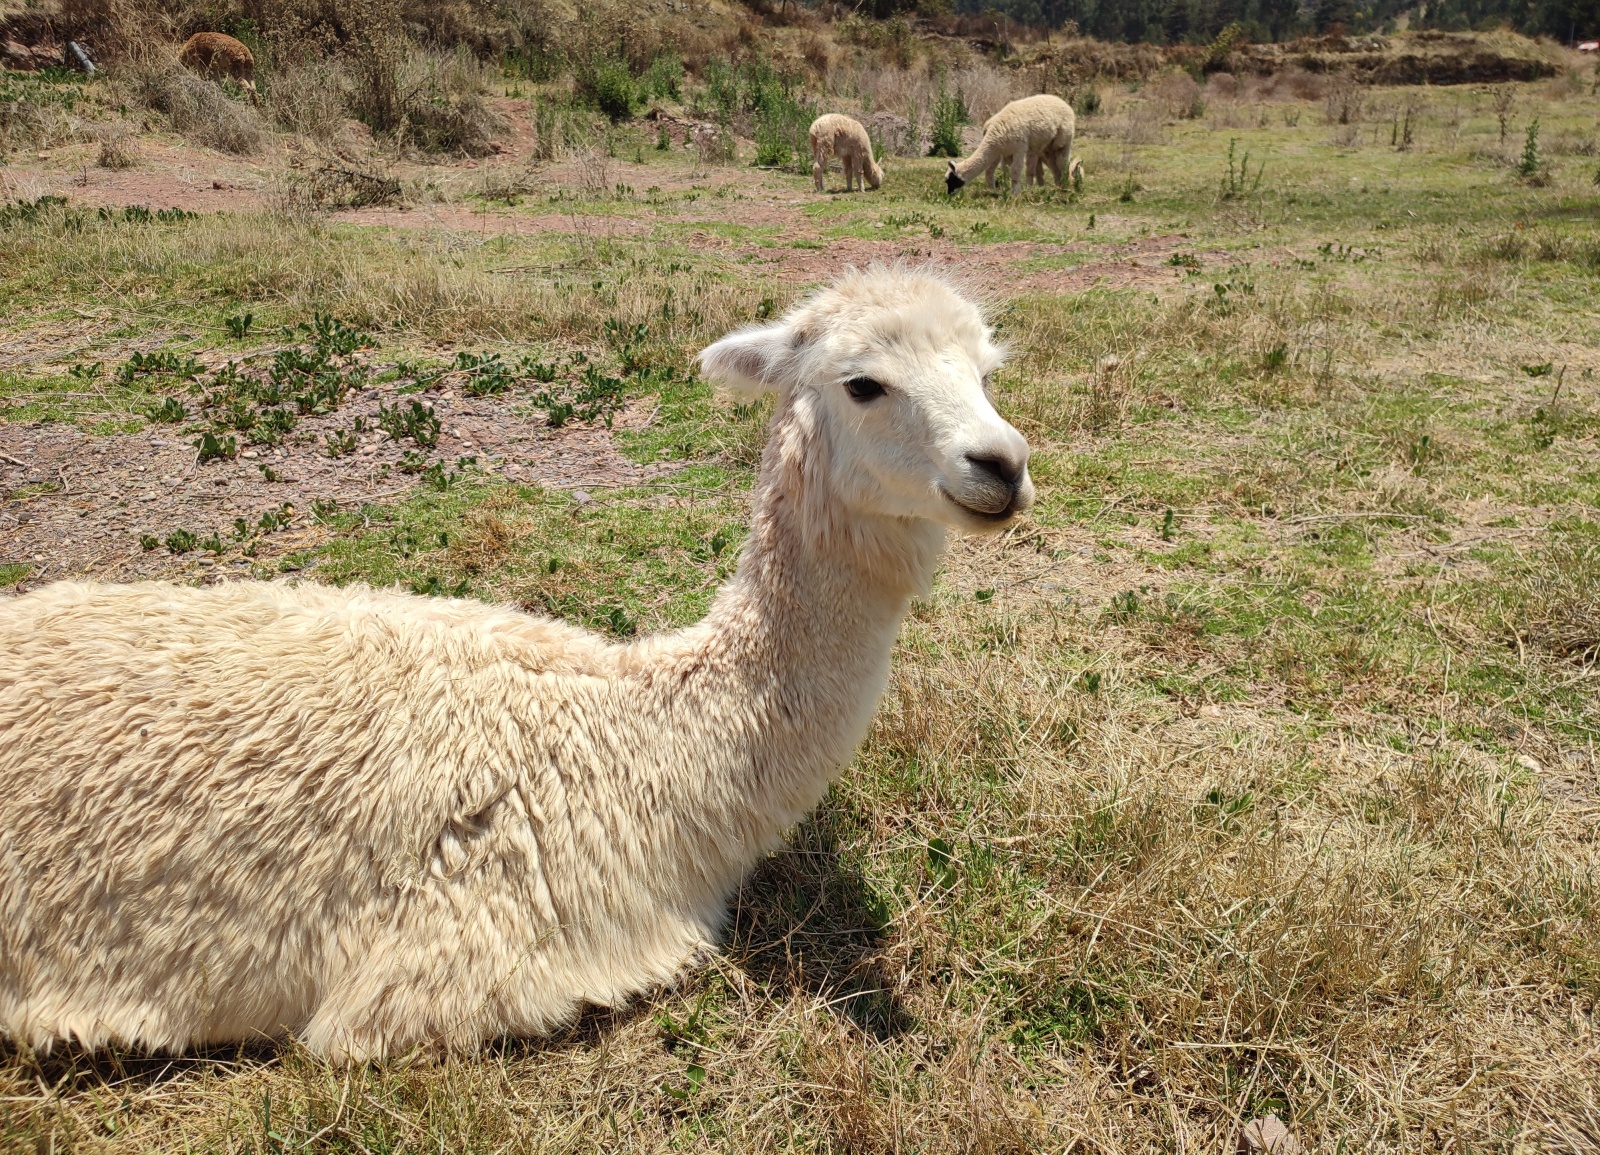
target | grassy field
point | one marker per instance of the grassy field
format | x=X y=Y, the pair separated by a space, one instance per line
x=1254 y=773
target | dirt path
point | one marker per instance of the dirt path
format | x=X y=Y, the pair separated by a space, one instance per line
x=78 y=504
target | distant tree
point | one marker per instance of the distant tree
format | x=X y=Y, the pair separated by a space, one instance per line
x=1335 y=13
x=1175 y=21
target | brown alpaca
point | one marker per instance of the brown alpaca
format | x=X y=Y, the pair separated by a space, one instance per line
x=217 y=55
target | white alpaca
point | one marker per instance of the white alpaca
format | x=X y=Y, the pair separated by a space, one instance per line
x=834 y=134
x=1024 y=135
x=386 y=823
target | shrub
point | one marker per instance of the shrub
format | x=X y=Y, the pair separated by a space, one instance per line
x=781 y=121
x=1530 y=164
x=430 y=101
x=309 y=99
x=119 y=148
x=611 y=87
x=949 y=114
x=663 y=79
x=781 y=132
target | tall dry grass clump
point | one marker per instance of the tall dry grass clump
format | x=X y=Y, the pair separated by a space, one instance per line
x=197 y=108
x=310 y=97
x=119 y=146
x=432 y=101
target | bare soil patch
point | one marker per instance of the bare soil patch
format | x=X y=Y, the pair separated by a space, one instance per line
x=76 y=504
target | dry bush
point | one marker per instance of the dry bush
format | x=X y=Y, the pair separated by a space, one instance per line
x=332 y=185
x=1180 y=95
x=309 y=98
x=818 y=53
x=198 y=108
x=119 y=146
x=1346 y=100
x=713 y=144
x=29 y=124
x=1222 y=86
x=594 y=172
x=987 y=89
x=1140 y=123
x=559 y=129
x=426 y=100
x=1286 y=84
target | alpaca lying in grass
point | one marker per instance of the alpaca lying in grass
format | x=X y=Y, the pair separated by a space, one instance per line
x=1024 y=136
x=834 y=134
x=387 y=823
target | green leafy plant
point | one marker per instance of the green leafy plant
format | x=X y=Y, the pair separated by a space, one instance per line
x=612 y=88
x=340 y=443
x=239 y=326
x=180 y=541
x=169 y=412
x=1530 y=164
x=949 y=114
x=214 y=448
x=161 y=364
x=1236 y=182
x=416 y=421
x=942 y=863
x=273 y=520
x=148 y=542
x=484 y=376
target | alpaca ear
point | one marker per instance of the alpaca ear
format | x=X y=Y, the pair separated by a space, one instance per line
x=760 y=359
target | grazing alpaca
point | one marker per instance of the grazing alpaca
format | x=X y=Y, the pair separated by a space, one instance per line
x=217 y=55
x=833 y=134
x=1024 y=135
x=387 y=823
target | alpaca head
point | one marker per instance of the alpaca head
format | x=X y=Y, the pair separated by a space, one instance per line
x=952 y=181
x=888 y=372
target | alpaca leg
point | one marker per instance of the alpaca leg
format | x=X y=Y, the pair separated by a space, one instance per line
x=989 y=172
x=1054 y=159
x=849 y=174
x=818 y=167
x=1019 y=165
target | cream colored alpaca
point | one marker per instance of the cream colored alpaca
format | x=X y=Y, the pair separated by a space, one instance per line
x=387 y=823
x=1024 y=136
x=834 y=134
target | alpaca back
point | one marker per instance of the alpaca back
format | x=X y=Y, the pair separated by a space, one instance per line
x=219 y=55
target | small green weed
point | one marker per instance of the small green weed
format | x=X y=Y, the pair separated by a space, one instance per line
x=169 y=412
x=416 y=421
x=214 y=448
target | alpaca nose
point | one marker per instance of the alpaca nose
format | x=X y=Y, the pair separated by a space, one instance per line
x=1005 y=468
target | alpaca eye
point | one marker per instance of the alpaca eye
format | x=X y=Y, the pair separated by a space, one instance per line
x=863 y=388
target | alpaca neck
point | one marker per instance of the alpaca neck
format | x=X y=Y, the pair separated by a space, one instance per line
x=793 y=656
x=973 y=165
